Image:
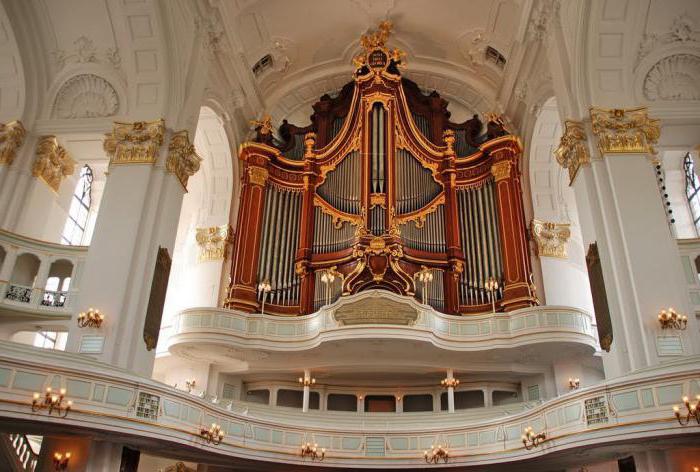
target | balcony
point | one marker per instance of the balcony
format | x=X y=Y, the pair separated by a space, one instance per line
x=112 y=401
x=38 y=279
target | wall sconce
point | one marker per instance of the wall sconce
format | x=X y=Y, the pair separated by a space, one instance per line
x=52 y=401
x=449 y=382
x=435 y=454
x=265 y=288
x=532 y=440
x=307 y=381
x=574 y=383
x=491 y=286
x=60 y=461
x=214 y=435
x=90 y=319
x=190 y=384
x=670 y=319
x=312 y=451
x=692 y=411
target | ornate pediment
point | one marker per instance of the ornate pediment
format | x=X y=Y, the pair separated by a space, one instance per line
x=376 y=307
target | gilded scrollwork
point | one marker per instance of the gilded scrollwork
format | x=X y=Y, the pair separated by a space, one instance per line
x=625 y=130
x=12 y=136
x=338 y=217
x=135 y=143
x=52 y=163
x=419 y=216
x=572 y=152
x=551 y=238
x=183 y=160
x=501 y=170
x=213 y=242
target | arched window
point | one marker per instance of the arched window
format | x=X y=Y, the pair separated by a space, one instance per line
x=692 y=190
x=74 y=230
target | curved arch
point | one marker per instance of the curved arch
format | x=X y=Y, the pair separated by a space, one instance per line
x=12 y=81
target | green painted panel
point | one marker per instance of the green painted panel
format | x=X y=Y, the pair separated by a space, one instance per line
x=5 y=377
x=472 y=439
x=78 y=389
x=285 y=329
x=118 y=396
x=695 y=297
x=29 y=381
x=456 y=440
x=261 y=434
x=98 y=392
x=292 y=439
x=322 y=441
x=694 y=388
x=236 y=429
x=503 y=326
x=572 y=413
x=626 y=401
x=424 y=442
x=669 y=394
x=513 y=432
x=238 y=324
x=487 y=437
x=470 y=329
x=688 y=270
x=224 y=322
x=355 y=443
x=484 y=328
x=55 y=382
x=206 y=321
x=517 y=324
x=553 y=418
x=647 y=398
x=194 y=415
x=531 y=321
x=171 y=408
x=277 y=436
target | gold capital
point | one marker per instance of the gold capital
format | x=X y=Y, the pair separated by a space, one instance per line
x=134 y=143
x=629 y=131
x=551 y=238
x=501 y=170
x=572 y=152
x=257 y=175
x=12 y=136
x=213 y=242
x=52 y=162
x=183 y=160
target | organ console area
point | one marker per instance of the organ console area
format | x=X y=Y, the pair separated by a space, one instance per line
x=381 y=191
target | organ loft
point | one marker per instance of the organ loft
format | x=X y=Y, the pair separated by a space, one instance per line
x=382 y=191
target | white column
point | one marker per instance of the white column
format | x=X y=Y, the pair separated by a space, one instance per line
x=305 y=400
x=361 y=403
x=399 y=403
x=450 y=393
x=40 y=279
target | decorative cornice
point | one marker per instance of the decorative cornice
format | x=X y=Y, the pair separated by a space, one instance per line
x=625 y=130
x=12 y=136
x=551 y=238
x=182 y=160
x=213 y=242
x=135 y=143
x=501 y=170
x=52 y=162
x=572 y=151
x=257 y=175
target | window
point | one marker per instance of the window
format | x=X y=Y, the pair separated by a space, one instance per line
x=496 y=57
x=50 y=340
x=262 y=65
x=74 y=230
x=692 y=190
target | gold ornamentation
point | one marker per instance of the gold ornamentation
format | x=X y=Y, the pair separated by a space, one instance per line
x=52 y=162
x=501 y=170
x=419 y=216
x=625 y=131
x=301 y=268
x=183 y=160
x=12 y=136
x=376 y=55
x=572 y=151
x=448 y=136
x=309 y=143
x=213 y=242
x=377 y=199
x=338 y=217
x=265 y=124
x=551 y=238
x=394 y=229
x=257 y=175
x=134 y=143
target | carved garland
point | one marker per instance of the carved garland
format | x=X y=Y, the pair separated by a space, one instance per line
x=52 y=162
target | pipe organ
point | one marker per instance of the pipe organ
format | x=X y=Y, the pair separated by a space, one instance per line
x=381 y=191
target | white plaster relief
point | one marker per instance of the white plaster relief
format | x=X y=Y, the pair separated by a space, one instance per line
x=86 y=96
x=675 y=77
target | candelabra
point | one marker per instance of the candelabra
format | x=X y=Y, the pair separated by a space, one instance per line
x=436 y=454
x=574 y=383
x=265 y=288
x=213 y=435
x=327 y=278
x=91 y=318
x=692 y=411
x=491 y=286
x=190 y=384
x=670 y=319
x=60 y=461
x=425 y=276
x=307 y=381
x=531 y=440
x=52 y=402
x=449 y=382
x=312 y=451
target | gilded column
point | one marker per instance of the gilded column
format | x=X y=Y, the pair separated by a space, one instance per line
x=306 y=229
x=455 y=256
x=517 y=291
x=246 y=252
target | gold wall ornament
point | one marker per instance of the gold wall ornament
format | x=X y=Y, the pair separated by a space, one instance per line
x=420 y=216
x=375 y=54
x=501 y=170
x=257 y=175
x=625 y=130
x=213 y=242
x=263 y=125
x=183 y=160
x=52 y=162
x=12 y=136
x=572 y=152
x=134 y=143
x=551 y=238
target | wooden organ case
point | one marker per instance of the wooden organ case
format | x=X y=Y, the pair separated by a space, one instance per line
x=381 y=191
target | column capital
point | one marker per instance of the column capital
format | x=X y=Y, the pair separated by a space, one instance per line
x=12 y=136
x=213 y=242
x=572 y=152
x=551 y=238
x=134 y=143
x=625 y=131
x=183 y=160
x=52 y=162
